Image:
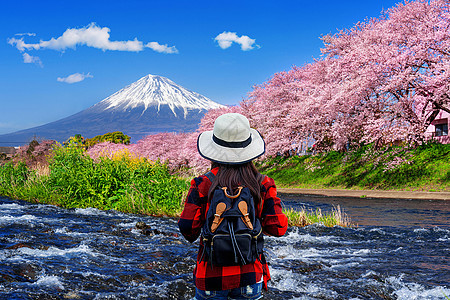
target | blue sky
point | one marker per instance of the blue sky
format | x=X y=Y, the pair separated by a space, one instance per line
x=43 y=80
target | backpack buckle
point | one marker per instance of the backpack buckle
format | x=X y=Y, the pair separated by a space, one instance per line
x=220 y=208
x=243 y=208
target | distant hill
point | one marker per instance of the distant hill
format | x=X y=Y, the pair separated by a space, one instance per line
x=150 y=105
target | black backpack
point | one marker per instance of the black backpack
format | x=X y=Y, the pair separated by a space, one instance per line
x=232 y=234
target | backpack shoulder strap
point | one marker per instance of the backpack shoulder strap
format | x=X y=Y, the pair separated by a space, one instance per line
x=210 y=175
x=261 y=203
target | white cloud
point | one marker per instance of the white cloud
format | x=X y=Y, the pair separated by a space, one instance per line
x=20 y=44
x=29 y=59
x=161 y=48
x=226 y=39
x=91 y=36
x=77 y=77
x=26 y=33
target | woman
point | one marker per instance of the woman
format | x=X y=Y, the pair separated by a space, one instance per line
x=231 y=147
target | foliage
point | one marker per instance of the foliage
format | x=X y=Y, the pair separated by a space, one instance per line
x=107 y=149
x=77 y=139
x=131 y=183
x=19 y=181
x=423 y=168
x=304 y=218
x=116 y=137
x=12 y=176
x=107 y=183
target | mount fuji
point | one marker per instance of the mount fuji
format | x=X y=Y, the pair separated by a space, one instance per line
x=150 y=105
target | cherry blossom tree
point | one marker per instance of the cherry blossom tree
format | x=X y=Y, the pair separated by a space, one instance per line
x=398 y=65
x=382 y=80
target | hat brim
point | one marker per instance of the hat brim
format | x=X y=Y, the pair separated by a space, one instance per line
x=225 y=155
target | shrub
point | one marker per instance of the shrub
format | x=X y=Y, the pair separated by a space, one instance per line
x=13 y=176
x=116 y=137
x=119 y=183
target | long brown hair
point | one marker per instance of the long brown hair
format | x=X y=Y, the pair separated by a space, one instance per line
x=233 y=176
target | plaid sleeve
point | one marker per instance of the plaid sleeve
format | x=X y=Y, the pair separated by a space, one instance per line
x=274 y=221
x=192 y=217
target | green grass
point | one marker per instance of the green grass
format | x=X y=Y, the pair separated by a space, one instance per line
x=304 y=217
x=17 y=181
x=446 y=297
x=424 y=168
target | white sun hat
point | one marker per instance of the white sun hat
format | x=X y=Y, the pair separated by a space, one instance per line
x=232 y=141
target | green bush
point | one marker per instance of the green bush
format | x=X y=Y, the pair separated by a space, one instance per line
x=116 y=137
x=13 y=177
x=21 y=182
x=114 y=184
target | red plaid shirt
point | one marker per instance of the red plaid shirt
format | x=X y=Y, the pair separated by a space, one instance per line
x=273 y=222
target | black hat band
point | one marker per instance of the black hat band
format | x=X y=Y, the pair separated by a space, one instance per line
x=223 y=143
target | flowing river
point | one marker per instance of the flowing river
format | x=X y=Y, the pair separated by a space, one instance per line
x=399 y=250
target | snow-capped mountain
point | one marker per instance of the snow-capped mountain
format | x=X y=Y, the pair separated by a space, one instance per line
x=156 y=91
x=150 y=105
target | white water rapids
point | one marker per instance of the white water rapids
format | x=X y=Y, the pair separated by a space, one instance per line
x=48 y=252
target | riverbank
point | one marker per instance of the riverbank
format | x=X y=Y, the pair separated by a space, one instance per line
x=413 y=171
x=368 y=193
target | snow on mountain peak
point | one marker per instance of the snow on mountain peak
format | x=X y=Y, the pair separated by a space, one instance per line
x=153 y=90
